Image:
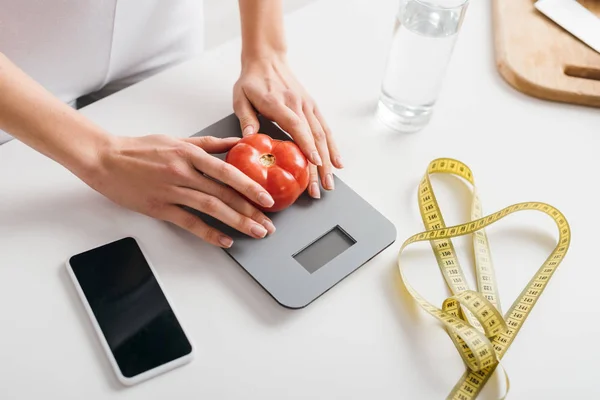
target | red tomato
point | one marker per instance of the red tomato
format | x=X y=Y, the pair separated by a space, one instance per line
x=278 y=166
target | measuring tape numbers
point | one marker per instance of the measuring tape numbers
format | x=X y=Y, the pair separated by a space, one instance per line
x=474 y=319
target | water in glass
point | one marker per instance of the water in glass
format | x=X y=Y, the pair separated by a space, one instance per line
x=422 y=43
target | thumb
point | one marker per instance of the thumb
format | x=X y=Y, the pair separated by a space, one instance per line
x=246 y=114
x=212 y=144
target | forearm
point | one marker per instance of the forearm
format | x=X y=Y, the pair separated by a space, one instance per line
x=262 y=28
x=34 y=116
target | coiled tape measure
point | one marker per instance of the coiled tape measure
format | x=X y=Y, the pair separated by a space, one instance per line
x=473 y=319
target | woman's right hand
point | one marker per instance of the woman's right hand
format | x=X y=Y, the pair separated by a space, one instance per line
x=155 y=175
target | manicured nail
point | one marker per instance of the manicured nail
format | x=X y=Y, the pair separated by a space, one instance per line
x=269 y=225
x=249 y=130
x=225 y=241
x=258 y=230
x=338 y=161
x=329 y=181
x=316 y=159
x=314 y=190
x=265 y=200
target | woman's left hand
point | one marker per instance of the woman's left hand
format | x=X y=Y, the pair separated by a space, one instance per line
x=267 y=86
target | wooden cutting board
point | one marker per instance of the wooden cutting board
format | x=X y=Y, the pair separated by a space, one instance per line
x=539 y=58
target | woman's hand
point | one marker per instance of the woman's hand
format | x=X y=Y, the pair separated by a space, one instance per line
x=156 y=175
x=267 y=86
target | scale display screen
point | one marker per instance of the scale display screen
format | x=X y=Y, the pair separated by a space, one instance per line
x=324 y=249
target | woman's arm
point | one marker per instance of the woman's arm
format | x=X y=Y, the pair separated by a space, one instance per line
x=262 y=29
x=153 y=175
x=267 y=86
x=34 y=116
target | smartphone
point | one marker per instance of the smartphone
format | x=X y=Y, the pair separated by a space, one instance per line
x=131 y=314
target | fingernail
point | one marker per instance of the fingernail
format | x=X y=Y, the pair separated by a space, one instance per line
x=314 y=190
x=225 y=241
x=265 y=200
x=269 y=225
x=338 y=161
x=258 y=230
x=249 y=130
x=329 y=181
x=316 y=159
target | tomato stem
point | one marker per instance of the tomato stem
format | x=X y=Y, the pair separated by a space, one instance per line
x=267 y=159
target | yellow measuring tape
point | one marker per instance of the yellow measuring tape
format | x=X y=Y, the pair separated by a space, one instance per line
x=473 y=319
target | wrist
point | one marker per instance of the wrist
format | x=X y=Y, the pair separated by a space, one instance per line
x=261 y=53
x=263 y=34
x=85 y=158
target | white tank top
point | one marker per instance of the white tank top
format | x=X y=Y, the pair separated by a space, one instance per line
x=96 y=47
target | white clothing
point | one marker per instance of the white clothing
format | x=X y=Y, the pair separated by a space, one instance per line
x=96 y=47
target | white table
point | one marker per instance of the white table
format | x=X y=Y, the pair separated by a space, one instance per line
x=361 y=340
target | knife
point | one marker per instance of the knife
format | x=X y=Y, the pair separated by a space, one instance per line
x=574 y=18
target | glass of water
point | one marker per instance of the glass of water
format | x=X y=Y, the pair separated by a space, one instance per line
x=422 y=44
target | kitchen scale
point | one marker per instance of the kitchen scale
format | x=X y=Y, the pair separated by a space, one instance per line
x=318 y=242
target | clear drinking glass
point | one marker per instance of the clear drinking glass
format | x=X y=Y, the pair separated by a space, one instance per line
x=422 y=44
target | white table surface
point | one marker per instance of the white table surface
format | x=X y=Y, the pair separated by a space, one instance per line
x=361 y=340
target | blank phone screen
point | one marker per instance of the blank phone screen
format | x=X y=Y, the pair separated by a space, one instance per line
x=130 y=307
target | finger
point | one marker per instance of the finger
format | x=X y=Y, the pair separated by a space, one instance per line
x=290 y=122
x=334 y=153
x=230 y=175
x=319 y=140
x=245 y=112
x=216 y=208
x=196 y=226
x=212 y=144
x=321 y=143
x=313 y=182
x=232 y=199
